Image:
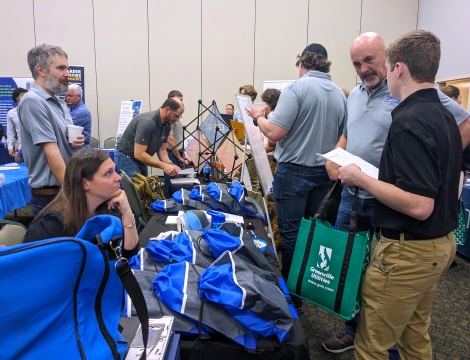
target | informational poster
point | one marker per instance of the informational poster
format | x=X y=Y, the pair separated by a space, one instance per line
x=7 y=86
x=77 y=76
x=129 y=109
x=276 y=84
x=256 y=144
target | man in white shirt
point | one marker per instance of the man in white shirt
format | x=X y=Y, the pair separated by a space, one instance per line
x=13 y=126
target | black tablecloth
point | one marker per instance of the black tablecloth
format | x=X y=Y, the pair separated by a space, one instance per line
x=218 y=347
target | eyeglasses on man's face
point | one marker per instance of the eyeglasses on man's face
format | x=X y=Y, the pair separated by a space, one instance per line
x=176 y=116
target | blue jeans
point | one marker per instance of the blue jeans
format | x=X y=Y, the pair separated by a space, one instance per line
x=166 y=189
x=298 y=192
x=129 y=165
x=365 y=221
x=39 y=202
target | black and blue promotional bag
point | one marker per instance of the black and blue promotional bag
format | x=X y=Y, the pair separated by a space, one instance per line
x=62 y=298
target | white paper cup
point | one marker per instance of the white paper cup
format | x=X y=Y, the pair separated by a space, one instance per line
x=73 y=132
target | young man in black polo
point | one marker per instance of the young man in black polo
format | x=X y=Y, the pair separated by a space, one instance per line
x=416 y=207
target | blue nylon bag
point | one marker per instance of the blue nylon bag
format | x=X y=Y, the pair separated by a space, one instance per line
x=254 y=302
x=176 y=286
x=62 y=297
x=248 y=205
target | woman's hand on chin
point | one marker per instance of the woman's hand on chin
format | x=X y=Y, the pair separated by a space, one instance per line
x=120 y=201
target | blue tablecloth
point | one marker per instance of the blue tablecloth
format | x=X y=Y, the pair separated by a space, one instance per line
x=15 y=192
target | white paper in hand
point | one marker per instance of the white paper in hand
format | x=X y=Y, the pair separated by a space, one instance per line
x=343 y=158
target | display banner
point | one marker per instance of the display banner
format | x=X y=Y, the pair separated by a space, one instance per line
x=7 y=86
x=77 y=76
x=129 y=109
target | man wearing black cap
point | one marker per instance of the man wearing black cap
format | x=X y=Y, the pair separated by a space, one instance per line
x=308 y=120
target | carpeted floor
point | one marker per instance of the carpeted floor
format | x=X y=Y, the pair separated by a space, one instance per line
x=450 y=326
x=450 y=319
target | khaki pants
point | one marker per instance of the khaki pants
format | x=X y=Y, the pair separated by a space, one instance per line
x=397 y=293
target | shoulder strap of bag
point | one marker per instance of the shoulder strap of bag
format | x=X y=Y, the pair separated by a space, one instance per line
x=321 y=213
x=130 y=284
x=328 y=199
x=347 y=253
x=135 y=293
x=298 y=286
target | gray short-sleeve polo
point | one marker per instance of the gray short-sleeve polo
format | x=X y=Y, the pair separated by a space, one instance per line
x=145 y=129
x=43 y=119
x=177 y=131
x=313 y=109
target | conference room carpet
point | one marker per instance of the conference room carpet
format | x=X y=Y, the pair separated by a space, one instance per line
x=450 y=317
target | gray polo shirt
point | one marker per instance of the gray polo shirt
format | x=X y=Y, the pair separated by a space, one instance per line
x=177 y=132
x=43 y=119
x=313 y=109
x=370 y=117
x=145 y=129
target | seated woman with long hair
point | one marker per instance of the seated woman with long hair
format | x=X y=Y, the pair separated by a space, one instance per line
x=91 y=187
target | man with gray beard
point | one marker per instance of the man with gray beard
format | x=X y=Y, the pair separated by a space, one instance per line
x=43 y=119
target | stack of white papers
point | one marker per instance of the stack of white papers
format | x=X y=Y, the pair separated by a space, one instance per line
x=184 y=181
x=188 y=171
x=10 y=166
x=343 y=158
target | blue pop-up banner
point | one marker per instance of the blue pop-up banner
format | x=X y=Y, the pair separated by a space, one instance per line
x=9 y=84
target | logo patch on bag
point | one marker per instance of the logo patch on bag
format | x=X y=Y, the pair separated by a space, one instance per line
x=325 y=256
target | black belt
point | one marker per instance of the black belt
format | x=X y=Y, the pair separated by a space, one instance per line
x=395 y=235
x=45 y=191
x=303 y=166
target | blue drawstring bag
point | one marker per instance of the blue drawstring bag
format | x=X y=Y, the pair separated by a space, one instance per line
x=176 y=286
x=168 y=206
x=254 y=302
x=232 y=237
x=200 y=193
x=248 y=205
x=182 y=248
x=182 y=196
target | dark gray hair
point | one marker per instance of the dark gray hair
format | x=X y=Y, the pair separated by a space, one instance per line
x=41 y=56
x=77 y=89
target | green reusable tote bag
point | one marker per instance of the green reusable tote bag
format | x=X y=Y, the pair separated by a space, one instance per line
x=328 y=264
x=460 y=233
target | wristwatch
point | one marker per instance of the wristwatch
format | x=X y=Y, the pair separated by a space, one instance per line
x=255 y=120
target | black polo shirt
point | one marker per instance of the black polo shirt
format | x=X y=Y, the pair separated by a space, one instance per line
x=422 y=155
x=145 y=129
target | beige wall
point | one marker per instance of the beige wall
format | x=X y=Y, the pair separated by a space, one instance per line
x=142 y=49
x=448 y=19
